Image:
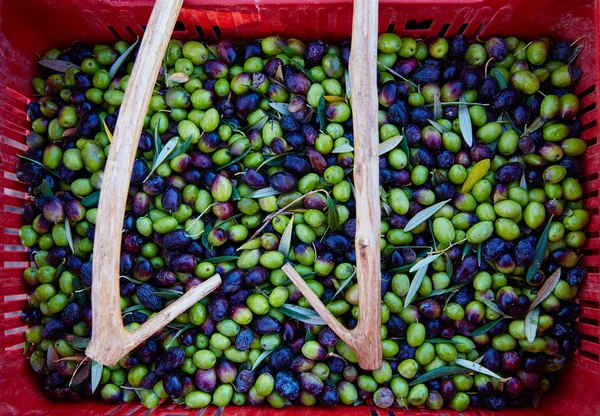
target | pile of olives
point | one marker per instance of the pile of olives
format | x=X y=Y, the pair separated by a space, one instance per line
x=482 y=222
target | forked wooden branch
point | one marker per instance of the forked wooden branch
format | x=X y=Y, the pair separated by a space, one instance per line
x=365 y=339
x=110 y=340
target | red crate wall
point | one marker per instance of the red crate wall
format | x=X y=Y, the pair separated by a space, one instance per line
x=30 y=26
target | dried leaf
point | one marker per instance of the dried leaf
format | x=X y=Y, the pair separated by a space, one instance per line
x=446 y=371
x=261 y=358
x=540 y=250
x=415 y=285
x=107 y=131
x=499 y=78
x=70 y=132
x=531 y=323
x=485 y=328
x=390 y=144
x=81 y=373
x=51 y=358
x=179 y=77
x=333 y=217
x=438 y=126
x=334 y=99
x=281 y=108
x=301 y=314
x=69 y=235
x=121 y=59
x=264 y=192
x=547 y=288
x=345 y=148
x=57 y=65
x=164 y=153
x=437 y=107
x=321 y=112
x=279 y=73
x=466 y=127
x=96 y=374
x=575 y=53
x=286 y=238
x=477 y=172
x=478 y=368
x=424 y=215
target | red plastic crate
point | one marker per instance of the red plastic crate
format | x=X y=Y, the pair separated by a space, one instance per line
x=29 y=26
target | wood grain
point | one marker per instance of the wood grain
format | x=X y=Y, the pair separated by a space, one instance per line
x=110 y=340
x=365 y=339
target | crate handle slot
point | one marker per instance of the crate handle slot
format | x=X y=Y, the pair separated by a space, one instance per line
x=365 y=339
x=110 y=340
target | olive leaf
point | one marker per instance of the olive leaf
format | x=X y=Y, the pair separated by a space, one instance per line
x=344 y=148
x=479 y=262
x=437 y=292
x=279 y=73
x=535 y=125
x=441 y=341
x=438 y=126
x=475 y=174
x=108 y=132
x=91 y=200
x=348 y=84
x=540 y=250
x=51 y=358
x=281 y=108
x=394 y=73
x=77 y=342
x=449 y=266
x=121 y=59
x=390 y=144
x=80 y=296
x=132 y=309
x=167 y=293
x=26 y=347
x=447 y=371
x=493 y=306
x=547 y=288
x=96 y=374
x=271 y=159
x=499 y=78
x=286 y=238
x=157 y=144
x=321 y=112
x=531 y=323
x=467 y=247
x=437 y=107
x=478 y=368
x=415 y=284
x=69 y=235
x=574 y=54
x=523 y=182
x=485 y=328
x=303 y=70
x=343 y=286
x=237 y=159
x=424 y=215
x=301 y=314
x=333 y=217
x=221 y=259
x=181 y=149
x=57 y=64
x=40 y=164
x=179 y=77
x=81 y=373
x=176 y=335
x=425 y=262
x=464 y=120
x=334 y=99
x=261 y=358
x=250 y=245
x=45 y=189
x=264 y=192
x=164 y=153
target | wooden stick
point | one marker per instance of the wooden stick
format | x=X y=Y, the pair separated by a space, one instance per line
x=365 y=339
x=110 y=340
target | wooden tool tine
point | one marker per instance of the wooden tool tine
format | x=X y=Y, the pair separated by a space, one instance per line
x=110 y=340
x=365 y=339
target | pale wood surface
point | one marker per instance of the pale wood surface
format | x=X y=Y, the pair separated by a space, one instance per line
x=365 y=339
x=110 y=340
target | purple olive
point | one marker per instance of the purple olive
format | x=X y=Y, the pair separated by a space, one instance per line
x=206 y=380
x=297 y=84
x=54 y=210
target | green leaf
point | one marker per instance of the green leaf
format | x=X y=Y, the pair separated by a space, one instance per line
x=181 y=331
x=45 y=189
x=204 y=238
x=464 y=120
x=449 y=266
x=440 y=341
x=479 y=254
x=499 y=79
x=424 y=215
x=540 y=250
x=132 y=309
x=157 y=144
x=286 y=238
x=535 y=125
x=281 y=108
x=485 y=328
x=390 y=144
x=478 y=368
x=91 y=200
x=175 y=294
x=250 y=245
x=333 y=217
x=437 y=108
x=287 y=50
x=345 y=148
x=523 y=182
x=547 y=288
x=121 y=59
x=415 y=285
x=221 y=259
x=80 y=297
x=438 y=126
x=303 y=70
x=69 y=235
x=181 y=149
x=321 y=112
x=264 y=192
x=40 y=164
x=440 y=372
x=261 y=358
x=467 y=247
x=237 y=159
x=96 y=374
x=162 y=156
x=57 y=64
x=437 y=292
x=301 y=314
x=425 y=262
x=531 y=323
x=342 y=286
x=78 y=342
x=26 y=347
